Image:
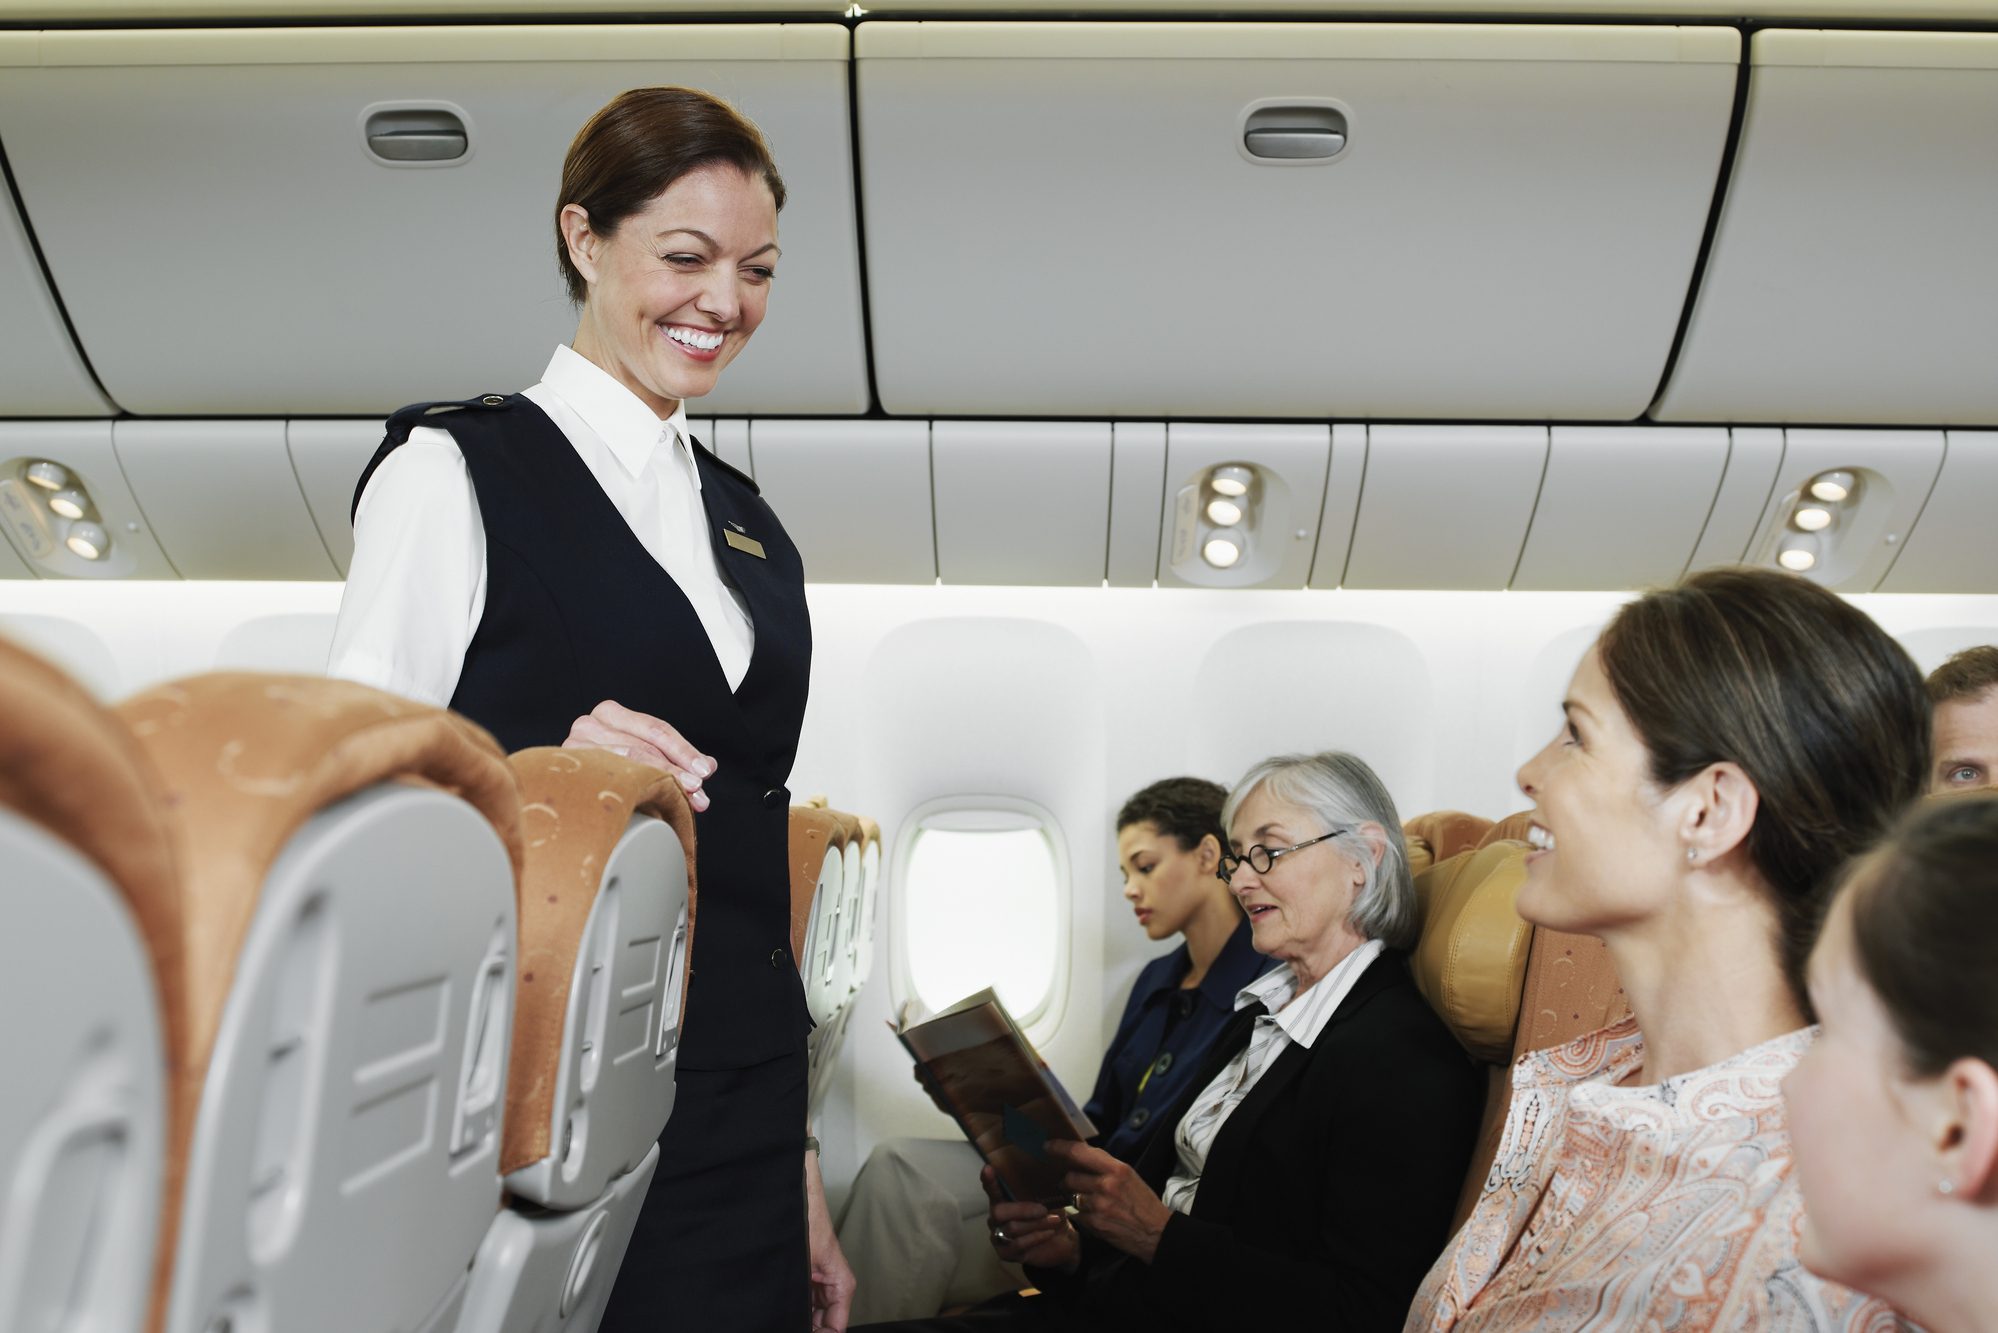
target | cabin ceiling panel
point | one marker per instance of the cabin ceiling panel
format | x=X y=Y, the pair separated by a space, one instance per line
x=1620 y=506
x=223 y=499
x=328 y=458
x=1853 y=277
x=284 y=267
x=1445 y=506
x=1954 y=544
x=1282 y=467
x=1343 y=481
x=853 y=495
x=87 y=475
x=1503 y=233
x=1137 y=502
x=1903 y=11
x=41 y=374
x=1753 y=455
x=1879 y=480
x=1021 y=502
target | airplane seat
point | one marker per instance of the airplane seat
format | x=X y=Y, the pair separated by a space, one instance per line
x=346 y=973
x=818 y=868
x=606 y=924
x=1470 y=963
x=870 y=895
x=295 y=643
x=1447 y=832
x=1510 y=829
x=846 y=950
x=91 y=885
x=1471 y=957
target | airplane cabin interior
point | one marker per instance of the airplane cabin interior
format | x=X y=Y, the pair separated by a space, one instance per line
x=1150 y=387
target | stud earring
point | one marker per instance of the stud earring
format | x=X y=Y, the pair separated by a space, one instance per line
x=1945 y=1187
x=1692 y=856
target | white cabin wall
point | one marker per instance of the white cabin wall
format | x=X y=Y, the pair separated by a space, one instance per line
x=1069 y=697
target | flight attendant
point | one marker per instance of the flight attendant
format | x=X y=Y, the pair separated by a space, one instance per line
x=567 y=565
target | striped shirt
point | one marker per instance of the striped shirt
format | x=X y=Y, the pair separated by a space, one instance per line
x=1294 y=1018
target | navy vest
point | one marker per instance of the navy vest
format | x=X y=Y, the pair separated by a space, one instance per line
x=577 y=611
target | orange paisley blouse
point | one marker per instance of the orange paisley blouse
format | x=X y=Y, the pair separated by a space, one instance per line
x=1668 y=1206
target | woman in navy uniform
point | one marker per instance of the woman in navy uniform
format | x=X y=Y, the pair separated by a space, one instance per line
x=569 y=566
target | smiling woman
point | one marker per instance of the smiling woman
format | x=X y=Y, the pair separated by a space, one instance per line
x=568 y=566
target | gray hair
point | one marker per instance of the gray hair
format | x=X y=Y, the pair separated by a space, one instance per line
x=1343 y=792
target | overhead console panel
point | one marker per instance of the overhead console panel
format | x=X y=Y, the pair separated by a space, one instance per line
x=1284 y=219
x=339 y=221
x=1853 y=278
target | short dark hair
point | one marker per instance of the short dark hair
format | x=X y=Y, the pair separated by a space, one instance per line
x=1966 y=675
x=1925 y=924
x=1822 y=710
x=1184 y=809
x=640 y=143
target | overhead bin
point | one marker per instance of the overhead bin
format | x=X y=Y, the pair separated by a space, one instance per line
x=41 y=374
x=1284 y=219
x=1853 y=278
x=855 y=496
x=228 y=242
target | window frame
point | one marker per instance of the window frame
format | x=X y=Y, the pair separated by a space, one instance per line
x=1040 y=1022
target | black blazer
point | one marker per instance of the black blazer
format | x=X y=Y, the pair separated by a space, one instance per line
x=1329 y=1190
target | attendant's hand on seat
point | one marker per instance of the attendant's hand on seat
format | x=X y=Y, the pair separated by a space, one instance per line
x=1111 y=1200
x=1027 y=1233
x=641 y=736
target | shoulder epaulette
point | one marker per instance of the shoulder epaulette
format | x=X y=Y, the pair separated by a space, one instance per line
x=405 y=419
x=733 y=471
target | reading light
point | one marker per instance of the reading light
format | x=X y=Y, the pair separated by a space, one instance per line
x=1232 y=480
x=1225 y=513
x=1220 y=552
x=49 y=476
x=70 y=503
x=1812 y=518
x=1797 y=553
x=1832 y=487
x=88 y=540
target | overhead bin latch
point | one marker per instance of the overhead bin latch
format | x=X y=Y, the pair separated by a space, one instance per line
x=404 y=135
x=1278 y=132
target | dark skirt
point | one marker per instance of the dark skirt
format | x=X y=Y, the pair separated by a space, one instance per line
x=720 y=1243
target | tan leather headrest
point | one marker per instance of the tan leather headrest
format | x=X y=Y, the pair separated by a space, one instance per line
x=1447 y=832
x=870 y=833
x=1471 y=958
x=1421 y=855
x=814 y=832
x=575 y=806
x=1571 y=991
x=1510 y=829
x=243 y=760
x=71 y=766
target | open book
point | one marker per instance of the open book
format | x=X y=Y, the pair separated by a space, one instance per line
x=1003 y=1096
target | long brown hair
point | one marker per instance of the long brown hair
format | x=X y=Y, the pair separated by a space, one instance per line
x=1925 y=929
x=640 y=143
x=1817 y=705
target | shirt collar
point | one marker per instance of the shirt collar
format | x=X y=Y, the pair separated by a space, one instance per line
x=628 y=428
x=1304 y=1019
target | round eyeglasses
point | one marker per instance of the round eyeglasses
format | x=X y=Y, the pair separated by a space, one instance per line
x=1261 y=858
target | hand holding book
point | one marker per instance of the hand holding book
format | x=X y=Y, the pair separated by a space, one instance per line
x=980 y=1069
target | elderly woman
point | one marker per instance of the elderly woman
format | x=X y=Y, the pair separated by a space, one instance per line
x=1726 y=745
x=1895 y=1109
x=1313 y=1161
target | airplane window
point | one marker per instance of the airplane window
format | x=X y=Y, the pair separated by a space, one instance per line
x=983 y=900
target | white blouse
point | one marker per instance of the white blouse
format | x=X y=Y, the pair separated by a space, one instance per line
x=1294 y=1019
x=417 y=586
